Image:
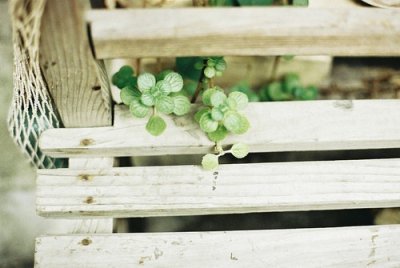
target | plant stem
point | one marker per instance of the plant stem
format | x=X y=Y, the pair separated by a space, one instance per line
x=275 y=66
x=199 y=84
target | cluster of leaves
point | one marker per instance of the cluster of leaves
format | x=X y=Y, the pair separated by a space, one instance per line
x=220 y=114
x=256 y=2
x=147 y=93
x=285 y=89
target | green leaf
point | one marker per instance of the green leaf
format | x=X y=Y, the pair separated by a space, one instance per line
x=161 y=75
x=217 y=98
x=186 y=66
x=175 y=80
x=206 y=97
x=244 y=125
x=147 y=98
x=300 y=2
x=146 y=81
x=209 y=72
x=255 y=2
x=181 y=105
x=235 y=122
x=240 y=150
x=276 y=93
x=220 y=65
x=211 y=62
x=164 y=87
x=217 y=114
x=138 y=109
x=165 y=104
x=200 y=113
x=207 y=124
x=219 y=134
x=308 y=93
x=240 y=99
x=128 y=94
x=210 y=161
x=290 y=82
x=156 y=125
x=124 y=77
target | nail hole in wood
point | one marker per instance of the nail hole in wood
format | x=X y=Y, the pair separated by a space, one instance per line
x=86 y=142
x=96 y=88
x=89 y=200
x=86 y=242
x=85 y=177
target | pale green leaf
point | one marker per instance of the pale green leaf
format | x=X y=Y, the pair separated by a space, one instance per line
x=207 y=124
x=244 y=125
x=209 y=72
x=217 y=114
x=164 y=87
x=146 y=81
x=165 y=104
x=241 y=100
x=219 y=134
x=156 y=125
x=200 y=113
x=175 y=80
x=181 y=105
x=147 y=98
x=217 y=98
x=240 y=150
x=138 y=109
x=206 y=97
x=232 y=121
x=128 y=94
x=210 y=161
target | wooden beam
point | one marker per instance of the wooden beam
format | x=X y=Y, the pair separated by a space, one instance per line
x=245 y=31
x=239 y=188
x=275 y=126
x=364 y=246
x=77 y=82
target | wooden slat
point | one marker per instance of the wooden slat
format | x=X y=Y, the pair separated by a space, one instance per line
x=77 y=82
x=245 y=31
x=278 y=126
x=367 y=246
x=239 y=188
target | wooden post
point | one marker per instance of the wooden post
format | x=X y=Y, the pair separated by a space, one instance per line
x=77 y=82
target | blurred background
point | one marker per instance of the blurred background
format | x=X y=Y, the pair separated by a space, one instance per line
x=340 y=78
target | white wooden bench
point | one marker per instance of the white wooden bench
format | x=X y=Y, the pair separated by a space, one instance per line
x=92 y=191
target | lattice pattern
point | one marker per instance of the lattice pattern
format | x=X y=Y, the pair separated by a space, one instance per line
x=31 y=111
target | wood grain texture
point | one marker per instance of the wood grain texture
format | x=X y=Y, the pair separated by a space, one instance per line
x=366 y=246
x=77 y=83
x=245 y=31
x=239 y=188
x=275 y=126
x=90 y=226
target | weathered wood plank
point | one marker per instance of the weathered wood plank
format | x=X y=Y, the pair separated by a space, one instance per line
x=76 y=81
x=239 y=188
x=277 y=126
x=91 y=225
x=366 y=246
x=244 y=31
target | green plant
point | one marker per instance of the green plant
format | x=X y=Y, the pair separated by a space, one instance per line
x=287 y=88
x=146 y=93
